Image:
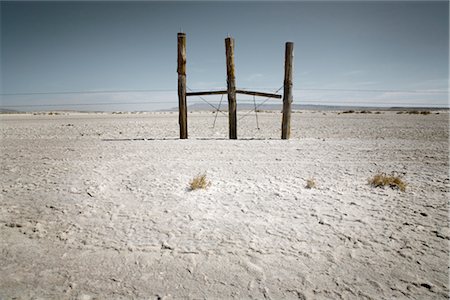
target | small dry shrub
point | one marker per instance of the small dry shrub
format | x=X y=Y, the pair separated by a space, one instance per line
x=414 y=112
x=394 y=181
x=199 y=182
x=365 y=112
x=310 y=183
x=348 y=112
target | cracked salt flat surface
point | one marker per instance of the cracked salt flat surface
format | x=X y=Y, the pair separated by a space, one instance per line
x=97 y=206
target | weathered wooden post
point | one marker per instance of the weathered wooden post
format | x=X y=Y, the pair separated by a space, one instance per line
x=231 y=88
x=287 y=94
x=182 y=118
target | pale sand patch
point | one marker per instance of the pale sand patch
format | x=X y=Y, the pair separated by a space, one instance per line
x=99 y=206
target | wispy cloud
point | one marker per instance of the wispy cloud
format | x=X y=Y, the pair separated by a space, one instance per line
x=126 y=101
x=364 y=83
x=207 y=85
x=372 y=98
x=254 y=77
x=441 y=84
x=353 y=73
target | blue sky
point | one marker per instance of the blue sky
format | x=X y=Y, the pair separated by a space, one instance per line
x=386 y=53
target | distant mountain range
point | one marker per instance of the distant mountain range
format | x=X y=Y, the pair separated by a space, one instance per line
x=224 y=107
x=248 y=107
x=8 y=111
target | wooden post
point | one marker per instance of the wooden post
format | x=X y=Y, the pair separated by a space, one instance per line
x=182 y=118
x=231 y=88
x=287 y=94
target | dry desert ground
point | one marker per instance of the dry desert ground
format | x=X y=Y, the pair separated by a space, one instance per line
x=97 y=206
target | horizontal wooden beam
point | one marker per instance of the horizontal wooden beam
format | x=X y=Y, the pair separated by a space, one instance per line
x=206 y=93
x=268 y=95
x=252 y=93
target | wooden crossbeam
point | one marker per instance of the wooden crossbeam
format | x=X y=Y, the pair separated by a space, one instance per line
x=206 y=93
x=252 y=93
x=268 y=95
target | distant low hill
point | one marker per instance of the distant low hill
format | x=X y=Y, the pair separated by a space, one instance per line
x=8 y=111
x=207 y=107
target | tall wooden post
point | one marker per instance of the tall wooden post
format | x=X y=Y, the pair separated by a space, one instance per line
x=287 y=94
x=231 y=88
x=182 y=118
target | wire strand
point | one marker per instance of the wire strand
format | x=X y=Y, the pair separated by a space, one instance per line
x=171 y=90
x=256 y=113
x=217 y=111
x=267 y=99
x=303 y=103
x=204 y=100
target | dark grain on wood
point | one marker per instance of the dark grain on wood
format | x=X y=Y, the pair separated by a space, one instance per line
x=182 y=107
x=253 y=93
x=206 y=93
x=181 y=53
x=231 y=88
x=287 y=93
x=268 y=95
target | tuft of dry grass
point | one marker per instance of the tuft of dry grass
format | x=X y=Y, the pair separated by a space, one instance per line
x=199 y=182
x=348 y=112
x=413 y=112
x=310 y=183
x=394 y=181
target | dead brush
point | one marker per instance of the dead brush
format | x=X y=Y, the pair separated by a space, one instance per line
x=199 y=182
x=310 y=183
x=393 y=181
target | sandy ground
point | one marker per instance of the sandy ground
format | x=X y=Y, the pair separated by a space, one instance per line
x=97 y=206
